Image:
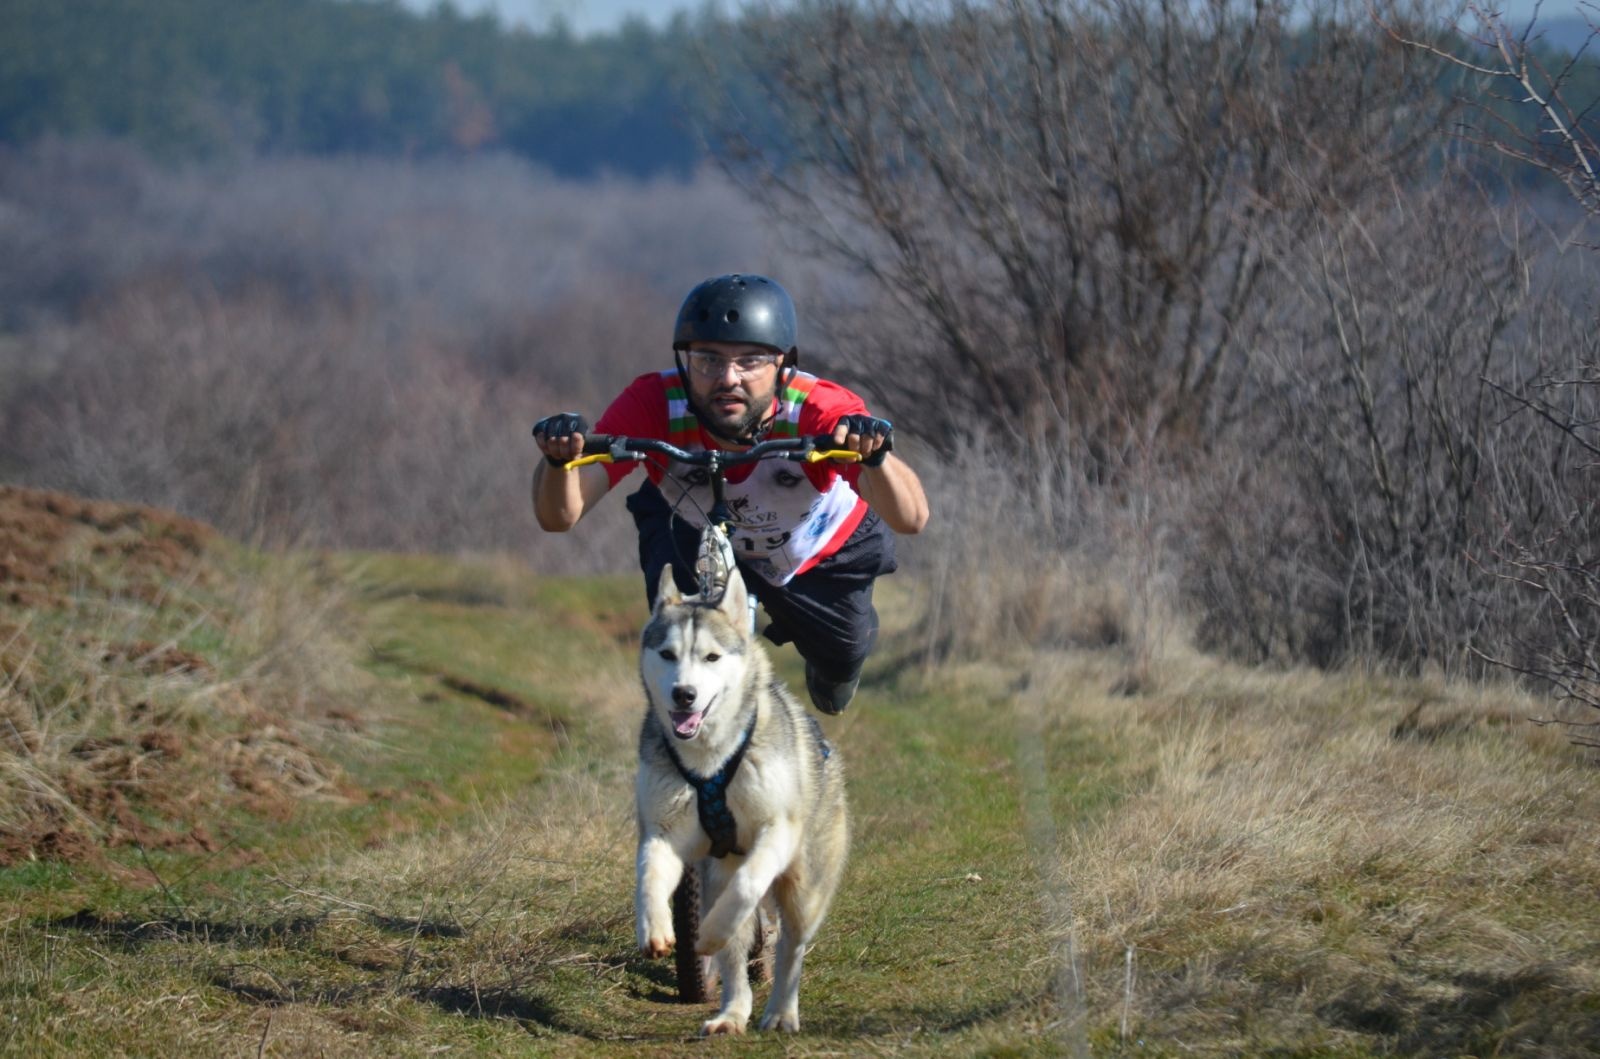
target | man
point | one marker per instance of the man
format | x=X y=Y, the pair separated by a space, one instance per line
x=810 y=539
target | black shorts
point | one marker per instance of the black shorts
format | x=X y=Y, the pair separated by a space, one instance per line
x=826 y=612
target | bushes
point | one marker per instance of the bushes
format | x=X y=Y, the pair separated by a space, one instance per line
x=1237 y=241
x=345 y=352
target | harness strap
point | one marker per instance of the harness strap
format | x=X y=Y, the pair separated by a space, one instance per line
x=824 y=748
x=711 y=795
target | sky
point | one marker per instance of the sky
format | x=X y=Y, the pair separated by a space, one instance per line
x=601 y=16
x=584 y=16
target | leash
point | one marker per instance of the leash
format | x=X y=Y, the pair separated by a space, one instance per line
x=711 y=795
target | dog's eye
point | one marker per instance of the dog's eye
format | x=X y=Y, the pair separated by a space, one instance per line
x=668 y=655
x=712 y=657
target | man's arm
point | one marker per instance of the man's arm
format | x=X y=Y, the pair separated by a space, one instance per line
x=560 y=497
x=895 y=493
x=892 y=488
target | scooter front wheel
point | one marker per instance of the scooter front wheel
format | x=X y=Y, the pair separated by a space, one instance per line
x=694 y=970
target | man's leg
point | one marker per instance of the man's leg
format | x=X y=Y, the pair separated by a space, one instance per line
x=827 y=613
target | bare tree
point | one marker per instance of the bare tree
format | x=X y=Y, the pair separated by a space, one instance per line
x=1539 y=110
x=1537 y=101
x=1062 y=206
x=1234 y=232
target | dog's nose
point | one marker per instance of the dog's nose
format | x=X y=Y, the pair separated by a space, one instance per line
x=683 y=696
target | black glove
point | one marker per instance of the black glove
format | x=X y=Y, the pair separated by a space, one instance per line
x=870 y=426
x=560 y=425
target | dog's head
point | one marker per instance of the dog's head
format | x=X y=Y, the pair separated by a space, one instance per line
x=694 y=655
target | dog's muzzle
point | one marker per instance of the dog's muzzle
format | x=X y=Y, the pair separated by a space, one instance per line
x=686 y=719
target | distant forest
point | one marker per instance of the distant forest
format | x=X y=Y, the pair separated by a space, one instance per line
x=198 y=78
x=187 y=79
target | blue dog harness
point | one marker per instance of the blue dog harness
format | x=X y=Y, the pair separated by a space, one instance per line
x=711 y=796
x=711 y=793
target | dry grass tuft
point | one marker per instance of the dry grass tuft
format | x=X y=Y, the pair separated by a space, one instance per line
x=1313 y=859
x=1060 y=562
x=150 y=680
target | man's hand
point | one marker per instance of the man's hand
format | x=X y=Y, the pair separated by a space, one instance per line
x=560 y=437
x=893 y=489
x=560 y=496
x=868 y=435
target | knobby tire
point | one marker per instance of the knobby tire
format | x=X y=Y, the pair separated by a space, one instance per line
x=691 y=967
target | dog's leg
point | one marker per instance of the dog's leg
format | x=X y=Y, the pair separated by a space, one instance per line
x=660 y=866
x=763 y=939
x=783 y=1005
x=737 y=999
x=771 y=853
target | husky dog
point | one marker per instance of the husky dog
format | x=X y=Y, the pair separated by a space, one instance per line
x=731 y=768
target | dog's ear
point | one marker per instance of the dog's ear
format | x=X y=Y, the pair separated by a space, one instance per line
x=735 y=601
x=667 y=594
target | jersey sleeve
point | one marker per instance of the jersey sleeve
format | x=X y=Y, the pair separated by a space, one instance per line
x=827 y=402
x=640 y=411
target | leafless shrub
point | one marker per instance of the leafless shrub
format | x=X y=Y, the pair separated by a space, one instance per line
x=1065 y=563
x=257 y=414
x=345 y=351
x=1544 y=544
x=1385 y=454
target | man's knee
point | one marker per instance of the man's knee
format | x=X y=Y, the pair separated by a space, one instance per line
x=838 y=651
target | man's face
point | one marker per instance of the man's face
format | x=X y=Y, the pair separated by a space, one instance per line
x=733 y=384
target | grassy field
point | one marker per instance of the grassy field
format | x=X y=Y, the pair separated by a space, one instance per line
x=1224 y=862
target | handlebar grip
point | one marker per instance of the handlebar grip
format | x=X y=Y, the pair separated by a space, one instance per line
x=596 y=444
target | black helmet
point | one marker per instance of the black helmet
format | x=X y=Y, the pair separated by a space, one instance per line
x=738 y=308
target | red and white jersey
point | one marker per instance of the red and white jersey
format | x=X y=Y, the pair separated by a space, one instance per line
x=787 y=516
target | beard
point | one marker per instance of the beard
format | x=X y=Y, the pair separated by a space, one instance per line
x=737 y=422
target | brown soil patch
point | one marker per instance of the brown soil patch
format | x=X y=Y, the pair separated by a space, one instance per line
x=155 y=659
x=64 y=843
x=141 y=772
x=152 y=787
x=49 y=543
x=500 y=700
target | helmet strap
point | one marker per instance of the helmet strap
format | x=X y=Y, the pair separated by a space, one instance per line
x=791 y=368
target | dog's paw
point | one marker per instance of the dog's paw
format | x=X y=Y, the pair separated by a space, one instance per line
x=709 y=942
x=784 y=1022
x=722 y=1025
x=716 y=928
x=658 y=945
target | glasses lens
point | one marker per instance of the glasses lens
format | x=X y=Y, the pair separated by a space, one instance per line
x=714 y=366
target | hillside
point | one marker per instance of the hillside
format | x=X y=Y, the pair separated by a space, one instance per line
x=192 y=78
x=1218 y=861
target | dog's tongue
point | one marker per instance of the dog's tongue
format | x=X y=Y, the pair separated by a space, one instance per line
x=685 y=725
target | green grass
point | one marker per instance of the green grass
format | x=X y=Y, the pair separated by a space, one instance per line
x=470 y=890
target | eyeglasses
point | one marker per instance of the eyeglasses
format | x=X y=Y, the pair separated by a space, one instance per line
x=714 y=365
